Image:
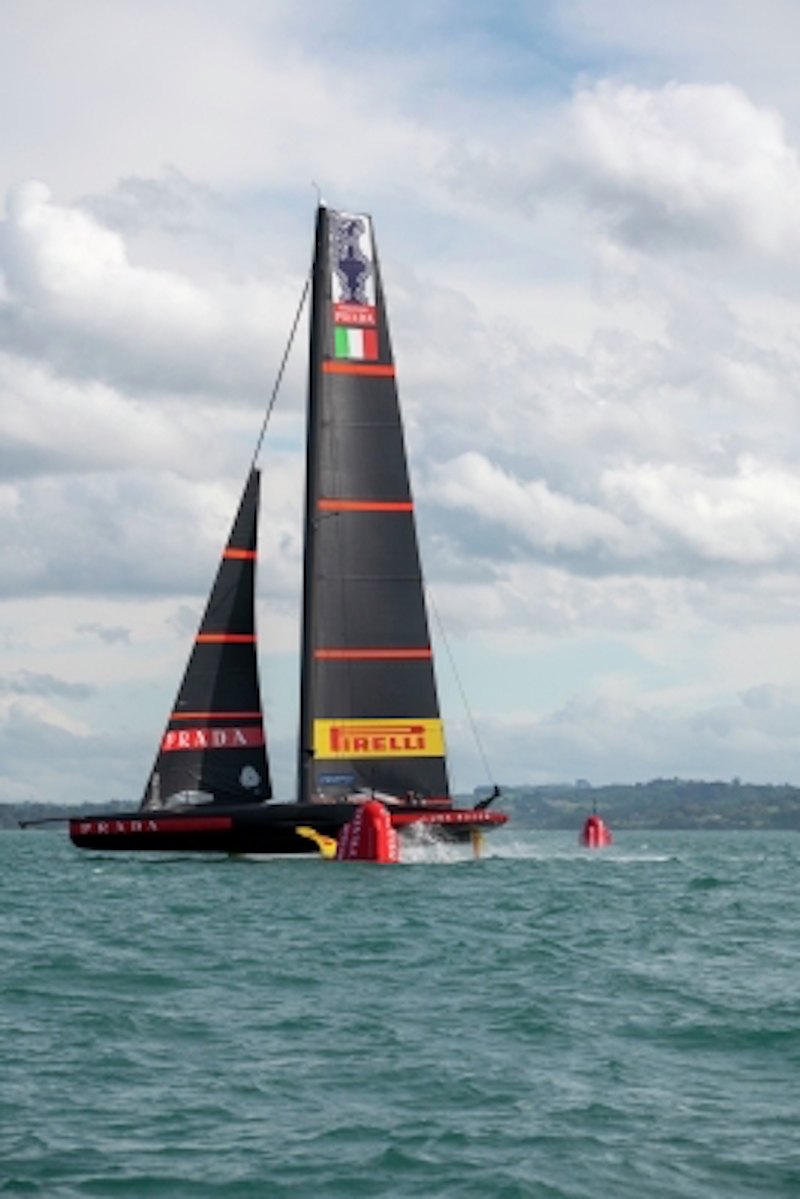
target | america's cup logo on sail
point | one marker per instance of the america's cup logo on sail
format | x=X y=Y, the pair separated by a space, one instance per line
x=353 y=291
x=352 y=270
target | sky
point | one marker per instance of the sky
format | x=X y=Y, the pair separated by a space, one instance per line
x=588 y=216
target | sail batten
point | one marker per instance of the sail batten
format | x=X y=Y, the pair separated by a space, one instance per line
x=388 y=653
x=341 y=505
x=376 y=370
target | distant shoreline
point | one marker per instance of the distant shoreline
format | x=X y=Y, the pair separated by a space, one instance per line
x=659 y=804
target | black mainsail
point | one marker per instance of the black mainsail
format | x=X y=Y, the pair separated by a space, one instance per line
x=369 y=708
x=213 y=749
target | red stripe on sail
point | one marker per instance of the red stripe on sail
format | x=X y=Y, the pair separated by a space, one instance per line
x=337 y=367
x=367 y=655
x=365 y=506
x=226 y=638
x=243 y=555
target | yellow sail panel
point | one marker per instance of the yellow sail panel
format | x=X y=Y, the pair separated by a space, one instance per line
x=378 y=739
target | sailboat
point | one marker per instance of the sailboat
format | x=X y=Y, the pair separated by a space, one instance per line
x=370 y=725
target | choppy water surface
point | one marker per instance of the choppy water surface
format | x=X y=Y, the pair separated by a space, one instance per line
x=547 y=1022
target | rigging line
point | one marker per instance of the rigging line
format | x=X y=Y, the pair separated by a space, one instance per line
x=460 y=685
x=281 y=369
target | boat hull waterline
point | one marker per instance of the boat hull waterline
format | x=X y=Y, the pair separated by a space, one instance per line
x=271 y=829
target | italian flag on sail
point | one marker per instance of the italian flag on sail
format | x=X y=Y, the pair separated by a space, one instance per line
x=356 y=343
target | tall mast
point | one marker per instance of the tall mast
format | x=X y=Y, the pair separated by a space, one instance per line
x=319 y=274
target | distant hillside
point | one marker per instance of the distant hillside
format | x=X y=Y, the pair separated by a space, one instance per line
x=662 y=803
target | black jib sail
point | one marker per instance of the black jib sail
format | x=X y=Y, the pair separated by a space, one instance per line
x=213 y=749
x=369 y=708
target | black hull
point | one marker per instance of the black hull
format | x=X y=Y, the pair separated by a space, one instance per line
x=271 y=829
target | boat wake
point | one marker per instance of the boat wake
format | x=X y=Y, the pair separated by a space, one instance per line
x=527 y=849
x=432 y=851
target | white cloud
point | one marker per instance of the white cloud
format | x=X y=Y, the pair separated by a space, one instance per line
x=596 y=332
x=688 y=164
x=108 y=633
x=237 y=95
x=111 y=534
x=51 y=424
x=752 y=518
x=696 y=167
x=541 y=516
x=75 y=300
x=26 y=682
x=755 y=736
x=57 y=762
x=666 y=517
x=751 y=41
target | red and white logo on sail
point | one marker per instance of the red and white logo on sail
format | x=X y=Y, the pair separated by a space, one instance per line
x=212 y=738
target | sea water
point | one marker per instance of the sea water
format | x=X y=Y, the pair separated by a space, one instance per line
x=547 y=1021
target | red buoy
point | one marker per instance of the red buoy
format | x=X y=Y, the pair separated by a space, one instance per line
x=369 y=837
x=594 y=833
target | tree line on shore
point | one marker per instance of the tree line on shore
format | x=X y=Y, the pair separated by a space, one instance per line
x=661 y=803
